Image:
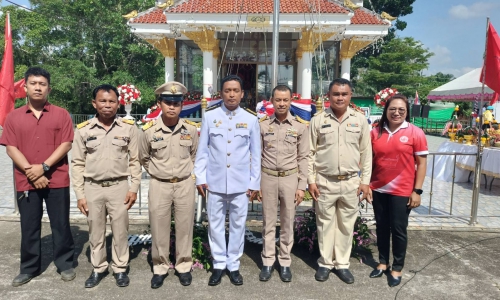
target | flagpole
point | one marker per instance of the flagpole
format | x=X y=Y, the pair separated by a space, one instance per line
x=479 y=157
x=276 y=40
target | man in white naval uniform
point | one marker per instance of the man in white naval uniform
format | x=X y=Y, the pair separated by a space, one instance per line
x=228 y=166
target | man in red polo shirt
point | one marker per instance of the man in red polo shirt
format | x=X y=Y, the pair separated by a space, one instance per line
x=38 y=136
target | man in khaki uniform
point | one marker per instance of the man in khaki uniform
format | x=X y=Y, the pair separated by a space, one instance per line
x=167 y=150
x=340 y=148
x=104 y=154
x=285 y=146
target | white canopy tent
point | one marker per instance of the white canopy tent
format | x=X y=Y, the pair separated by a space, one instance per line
x=465 y=88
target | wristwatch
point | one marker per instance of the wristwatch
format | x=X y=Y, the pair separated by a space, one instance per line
x=418 y=191
x=46 y=168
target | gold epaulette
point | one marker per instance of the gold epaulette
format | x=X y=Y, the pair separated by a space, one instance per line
x=299 y=119
x=127 y=121
x=251 y=111
x=263 y=118
x=83 y=124
x=317 y=113
x=212 y=107
x=192 y=123
x=148 y=125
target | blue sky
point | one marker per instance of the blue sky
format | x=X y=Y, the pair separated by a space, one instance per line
x=454 y=30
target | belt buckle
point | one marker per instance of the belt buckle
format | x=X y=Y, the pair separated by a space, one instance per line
x=342 y=177
x=281 y=174
x=106 y=184
x=174 y=180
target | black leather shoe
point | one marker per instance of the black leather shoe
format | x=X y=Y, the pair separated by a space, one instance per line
x=235 y=277
x=122 y=279
x=378 y=273
x=393 y=280
x=157 y=280
x=285 y=274
x=94 y=279
x=345 y=275
x=215 y=278
x=265 y=273
x=185 y=278
x=322 y=274
x=22 y=279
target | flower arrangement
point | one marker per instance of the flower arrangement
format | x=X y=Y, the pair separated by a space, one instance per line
x=216 y=96
x=128 y=94
x=470 y=131
x=306 y=232
x=296 y=96
x=381 y=97
x=193 y=96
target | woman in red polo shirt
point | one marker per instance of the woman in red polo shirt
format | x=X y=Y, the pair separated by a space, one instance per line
x=399 y=165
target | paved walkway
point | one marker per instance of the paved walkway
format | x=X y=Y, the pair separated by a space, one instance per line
x=488 y=212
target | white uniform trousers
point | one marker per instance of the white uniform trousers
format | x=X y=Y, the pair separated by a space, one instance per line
x=217 y=205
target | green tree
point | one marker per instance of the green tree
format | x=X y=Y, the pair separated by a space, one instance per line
x=399 y=65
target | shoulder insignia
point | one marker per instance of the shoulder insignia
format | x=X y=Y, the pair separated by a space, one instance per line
x=318 y=113
x=263 y=118
x=192 y=123
x=127 y=121
x=299 y=119
x=212 y=107
x=148 y=125
x=251 y=111
x=83 y=124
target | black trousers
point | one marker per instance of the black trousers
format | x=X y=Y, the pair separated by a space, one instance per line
x=31 y=209
x=391 y=215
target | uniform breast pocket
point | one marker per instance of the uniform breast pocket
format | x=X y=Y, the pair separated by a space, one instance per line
x=159 y=149
x=352 y=135
x=326 y=136
x=241 y=136
x=185 y=148
x=93 y=148
x=290 y=144
x=120 y=147
x=270 y=142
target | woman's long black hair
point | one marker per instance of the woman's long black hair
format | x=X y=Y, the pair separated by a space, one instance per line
x=384 y=120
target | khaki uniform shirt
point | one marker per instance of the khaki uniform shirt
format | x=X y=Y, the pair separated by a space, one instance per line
x=99 y=155
x=285 y=146
x=166 y=154
x=340 y=148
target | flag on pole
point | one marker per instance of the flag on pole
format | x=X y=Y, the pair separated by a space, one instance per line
x=417 y=101
x=19 y=91
x=7 y=75
x=492 y=61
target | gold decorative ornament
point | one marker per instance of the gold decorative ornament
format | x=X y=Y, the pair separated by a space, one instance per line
x=319 y=105
x=165 y=46
x=349 y=48
x=204 y=103
x=310 y=40
x=387 y=16
x=131 y=15
x=205 y=39
x=173 y=89
x=349 y=4
x=166 y=4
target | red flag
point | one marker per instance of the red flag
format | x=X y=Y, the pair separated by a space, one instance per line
x=495 y=98
x=492 y=61
x=19 y=91
x=416 y=102
x=7 y=75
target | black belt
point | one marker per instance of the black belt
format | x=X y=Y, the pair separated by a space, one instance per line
x=108 y=182
x=172 y=180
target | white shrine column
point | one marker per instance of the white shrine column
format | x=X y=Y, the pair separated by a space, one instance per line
x=300 y=66
x=306 y=74
x=167 y=48
x=349 y=48
x=208 y=79
x=345 y=68
x=215 y=70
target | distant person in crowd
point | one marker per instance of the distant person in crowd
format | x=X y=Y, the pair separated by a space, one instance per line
x=488 y=117
x=340 y=149
x=104 y=155
x=167 y=151
x=228 y=167
x=399 y=166
x=38 y=137
x=285 y=147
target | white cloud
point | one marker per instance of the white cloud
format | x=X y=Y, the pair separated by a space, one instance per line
x=478 y=9
x=442 y=55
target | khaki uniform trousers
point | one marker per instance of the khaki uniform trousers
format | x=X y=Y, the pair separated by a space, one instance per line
x=102 y=201
x=276 y=189
x=336 y=213
x=162 y=195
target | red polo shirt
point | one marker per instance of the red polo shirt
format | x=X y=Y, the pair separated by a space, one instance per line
x=394 y=166
x=37 y=139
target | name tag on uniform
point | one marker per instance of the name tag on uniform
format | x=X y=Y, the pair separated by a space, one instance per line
x=241 y=125
x=326 y=125
x=269 y=133
x=122 y=138
x=91 y=138
x=352 y=125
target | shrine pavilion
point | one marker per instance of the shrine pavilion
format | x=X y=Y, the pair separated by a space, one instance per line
x=204 y=40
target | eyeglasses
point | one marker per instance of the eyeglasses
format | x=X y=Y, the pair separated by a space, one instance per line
x=401 y=111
